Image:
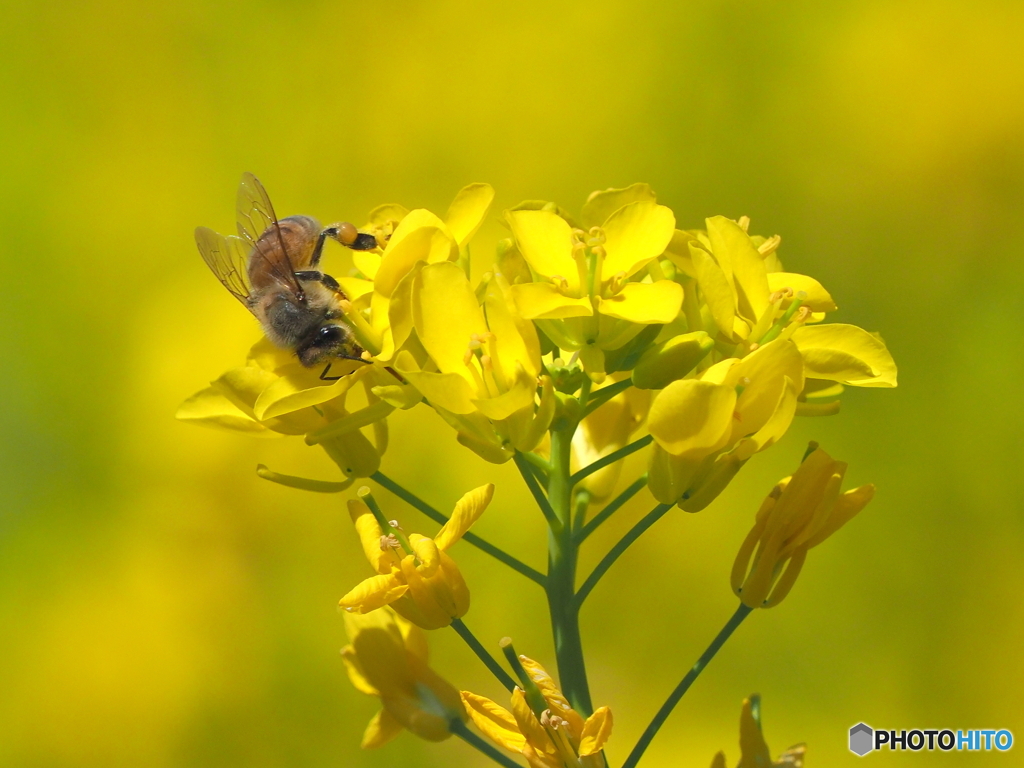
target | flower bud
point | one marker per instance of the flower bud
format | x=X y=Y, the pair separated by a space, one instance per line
x=671 y=360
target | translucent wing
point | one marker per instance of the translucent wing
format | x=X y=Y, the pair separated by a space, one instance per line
x=254 y=209
x=227 y=258
x=255 y=216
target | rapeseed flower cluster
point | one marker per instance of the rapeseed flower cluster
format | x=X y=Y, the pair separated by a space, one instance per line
x=591 y=338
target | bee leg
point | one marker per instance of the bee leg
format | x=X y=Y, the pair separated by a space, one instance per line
x=318 y=250
x=325 y=377
x=314 y=276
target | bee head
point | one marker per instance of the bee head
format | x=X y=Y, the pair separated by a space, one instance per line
x=327 y=341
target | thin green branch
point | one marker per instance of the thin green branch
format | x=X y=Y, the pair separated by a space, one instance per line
x=415 y=501
x=610 y=509
x=666 y=709
x=611 y=458
x=581 y=504
x=526 y=470
x=634 y=533
x=489 y=661
x=603 y=395
x=461 y=730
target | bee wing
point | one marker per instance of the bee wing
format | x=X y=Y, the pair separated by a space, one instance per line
x=226 y=258
x=255 y=215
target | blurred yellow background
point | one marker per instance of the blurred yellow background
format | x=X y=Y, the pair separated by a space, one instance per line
x=162 y=606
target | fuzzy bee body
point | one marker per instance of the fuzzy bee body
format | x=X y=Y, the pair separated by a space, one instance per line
x=272 y=268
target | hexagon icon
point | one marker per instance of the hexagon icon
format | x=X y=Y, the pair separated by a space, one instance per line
x=862 y=739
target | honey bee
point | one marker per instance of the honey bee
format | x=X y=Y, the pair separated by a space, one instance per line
x=272 y=268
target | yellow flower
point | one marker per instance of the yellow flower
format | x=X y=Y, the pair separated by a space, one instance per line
x=484 y=362
x=559 y=738
x=273 y=394
x=754 y=752
x=588 y=293
x=387 y=658
x=415 y=574
x=378 y=307
x=801 y=512
x=705 y=429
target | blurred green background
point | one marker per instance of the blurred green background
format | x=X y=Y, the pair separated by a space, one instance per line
x=162 y=606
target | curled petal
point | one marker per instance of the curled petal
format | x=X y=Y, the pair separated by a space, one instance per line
x=467 y=511
x=421 y=236
x=847 y=354
x=815 y=295
x=447 y=315
x=716 y=287
x=739 y=257
x=596 y=731
x=373 y=593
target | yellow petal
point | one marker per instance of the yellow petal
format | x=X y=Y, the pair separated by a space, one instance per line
x=504 y=405
x=467 y=211
x=645 y=303
x=516 y=340
x=446 y=315
x=545 y=240
x=467 y=510
x=530 y=726
x=753 y=749
x=448 y=390
x=846 y=508
x=382 y=729
x=847 y=354
x=543 y=301
x=692 y=418
x=763 y=375
x=596 y=731
x=355 y=672
x=717 y=288
x=734 y=250
x=370 y=533
x=634 y=235
x=601 y=205
x=816 y=297
x=496 y=723
x=210 y=408
x=421 y=236
x=373 y=593
x=298 y=387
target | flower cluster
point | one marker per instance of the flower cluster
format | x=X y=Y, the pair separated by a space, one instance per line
x=590 y=339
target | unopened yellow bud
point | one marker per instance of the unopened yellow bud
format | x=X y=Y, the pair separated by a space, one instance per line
x=671 y=360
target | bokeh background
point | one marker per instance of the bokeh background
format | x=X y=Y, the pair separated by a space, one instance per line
x=162 y=606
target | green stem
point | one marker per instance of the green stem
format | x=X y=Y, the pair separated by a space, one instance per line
x=666 y=709
x=526 y=470
x=460 y=729
x=610 y=509
x=605 y=394
x=489 y=661
x=581 y=505
x=565 y=616
x=498 y=554
x=606 y=562
x=611 y=458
